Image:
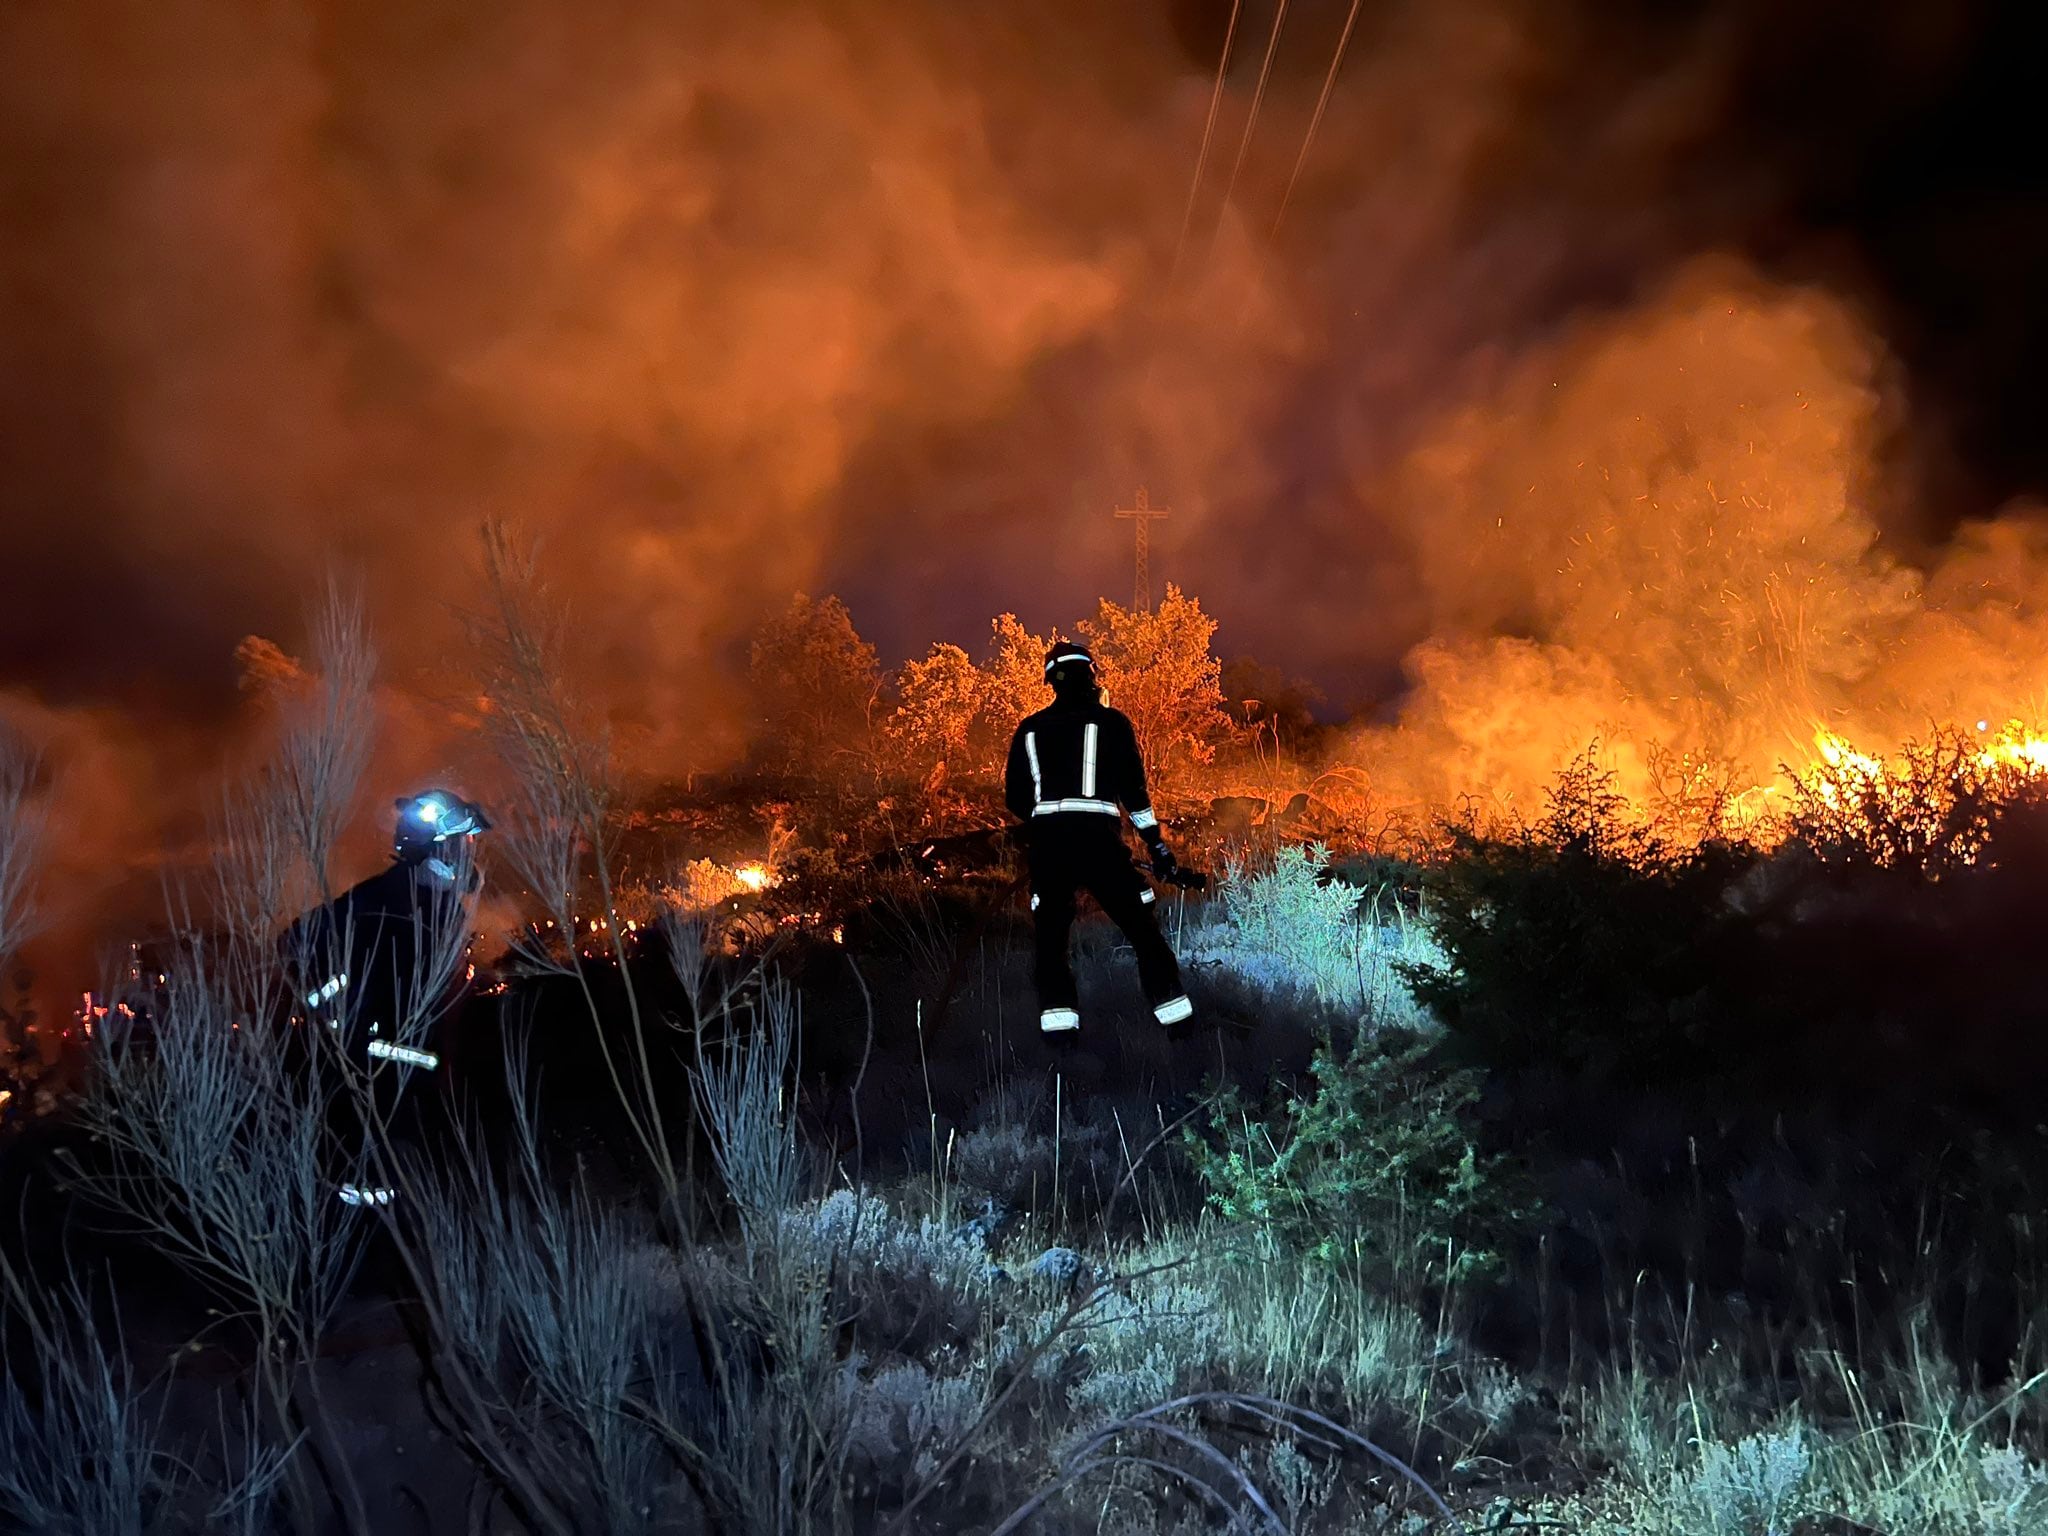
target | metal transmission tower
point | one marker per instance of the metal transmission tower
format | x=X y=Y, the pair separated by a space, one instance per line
x=1141 y=517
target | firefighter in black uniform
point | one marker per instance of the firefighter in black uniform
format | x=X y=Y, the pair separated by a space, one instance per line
x=1074 y=769
x=378 y=967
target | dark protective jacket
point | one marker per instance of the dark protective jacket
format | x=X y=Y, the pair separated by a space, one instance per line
x=1078 y=757
x=358 y=957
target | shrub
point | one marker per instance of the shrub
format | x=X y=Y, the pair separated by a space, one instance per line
x=1141 y=1343
x=902 y=1285
x=1583 y=941
x=1295 y=930
x=1933 y=809
x=904 y=1415
x=1375 y=1161
x=1749 y=1489
x=2015 y=1492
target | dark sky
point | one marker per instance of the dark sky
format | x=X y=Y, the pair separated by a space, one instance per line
x=727 y=299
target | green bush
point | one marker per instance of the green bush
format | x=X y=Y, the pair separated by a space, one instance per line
x=1584 y=940
x=1374 y=1163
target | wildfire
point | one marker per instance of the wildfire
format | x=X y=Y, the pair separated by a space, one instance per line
x=754 y=877
x=1932 y=804
x=2015 y=746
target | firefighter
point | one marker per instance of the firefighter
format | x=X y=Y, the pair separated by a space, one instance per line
x=1074 y=770
x=382 y=963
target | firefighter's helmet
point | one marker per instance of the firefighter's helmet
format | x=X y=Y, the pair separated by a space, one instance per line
x=1070 y=669
x=430 y=821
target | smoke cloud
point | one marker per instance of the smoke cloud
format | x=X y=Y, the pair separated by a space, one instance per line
x=1549 y=385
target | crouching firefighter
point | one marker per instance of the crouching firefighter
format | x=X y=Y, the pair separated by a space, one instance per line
x=378 y=968
x=1074 y=769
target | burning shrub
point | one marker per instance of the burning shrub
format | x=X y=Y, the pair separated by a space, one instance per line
x=1932 y=810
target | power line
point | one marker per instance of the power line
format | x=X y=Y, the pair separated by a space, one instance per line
x=1202 y=159
x=1251 y=122
x=1316 y=121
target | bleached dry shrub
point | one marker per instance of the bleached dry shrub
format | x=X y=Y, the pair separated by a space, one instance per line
x=1297 y=934
x=1023 y=1169
x=1751 y=1488
x=900 y=1284
x=79 y=1455
x=547 y=1300
x=2014 y=1499
x=1300 y=1486
x=904 y=1417
x=740 y=1090
x=1005 y=1160
x=1140 y=1342
x=219 y=1153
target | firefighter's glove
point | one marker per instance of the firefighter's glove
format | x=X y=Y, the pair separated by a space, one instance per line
x=1163 y=865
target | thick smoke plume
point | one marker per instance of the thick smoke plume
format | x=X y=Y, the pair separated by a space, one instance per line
x=1661 y=532
x=729 y=299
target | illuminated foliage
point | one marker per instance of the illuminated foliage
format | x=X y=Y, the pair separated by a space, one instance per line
x=941 y=698
x=813 y=680
x=1158 y=669
x=1933 y=808
x=1016 y=674
x=954 y=719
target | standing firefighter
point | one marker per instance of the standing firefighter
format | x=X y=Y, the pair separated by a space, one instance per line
x=1074 y=769
x=382 y=963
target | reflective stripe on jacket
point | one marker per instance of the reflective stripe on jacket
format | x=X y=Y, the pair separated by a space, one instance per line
x=1079 y=759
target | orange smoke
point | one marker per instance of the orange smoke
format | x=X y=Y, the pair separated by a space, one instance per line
x=1659 y=533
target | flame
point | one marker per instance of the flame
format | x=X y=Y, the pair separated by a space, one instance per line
x=754 y=877
x=2015 y=746
x=1837 y=753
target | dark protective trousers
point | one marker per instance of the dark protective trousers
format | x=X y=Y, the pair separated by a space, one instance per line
x=1078 y=851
